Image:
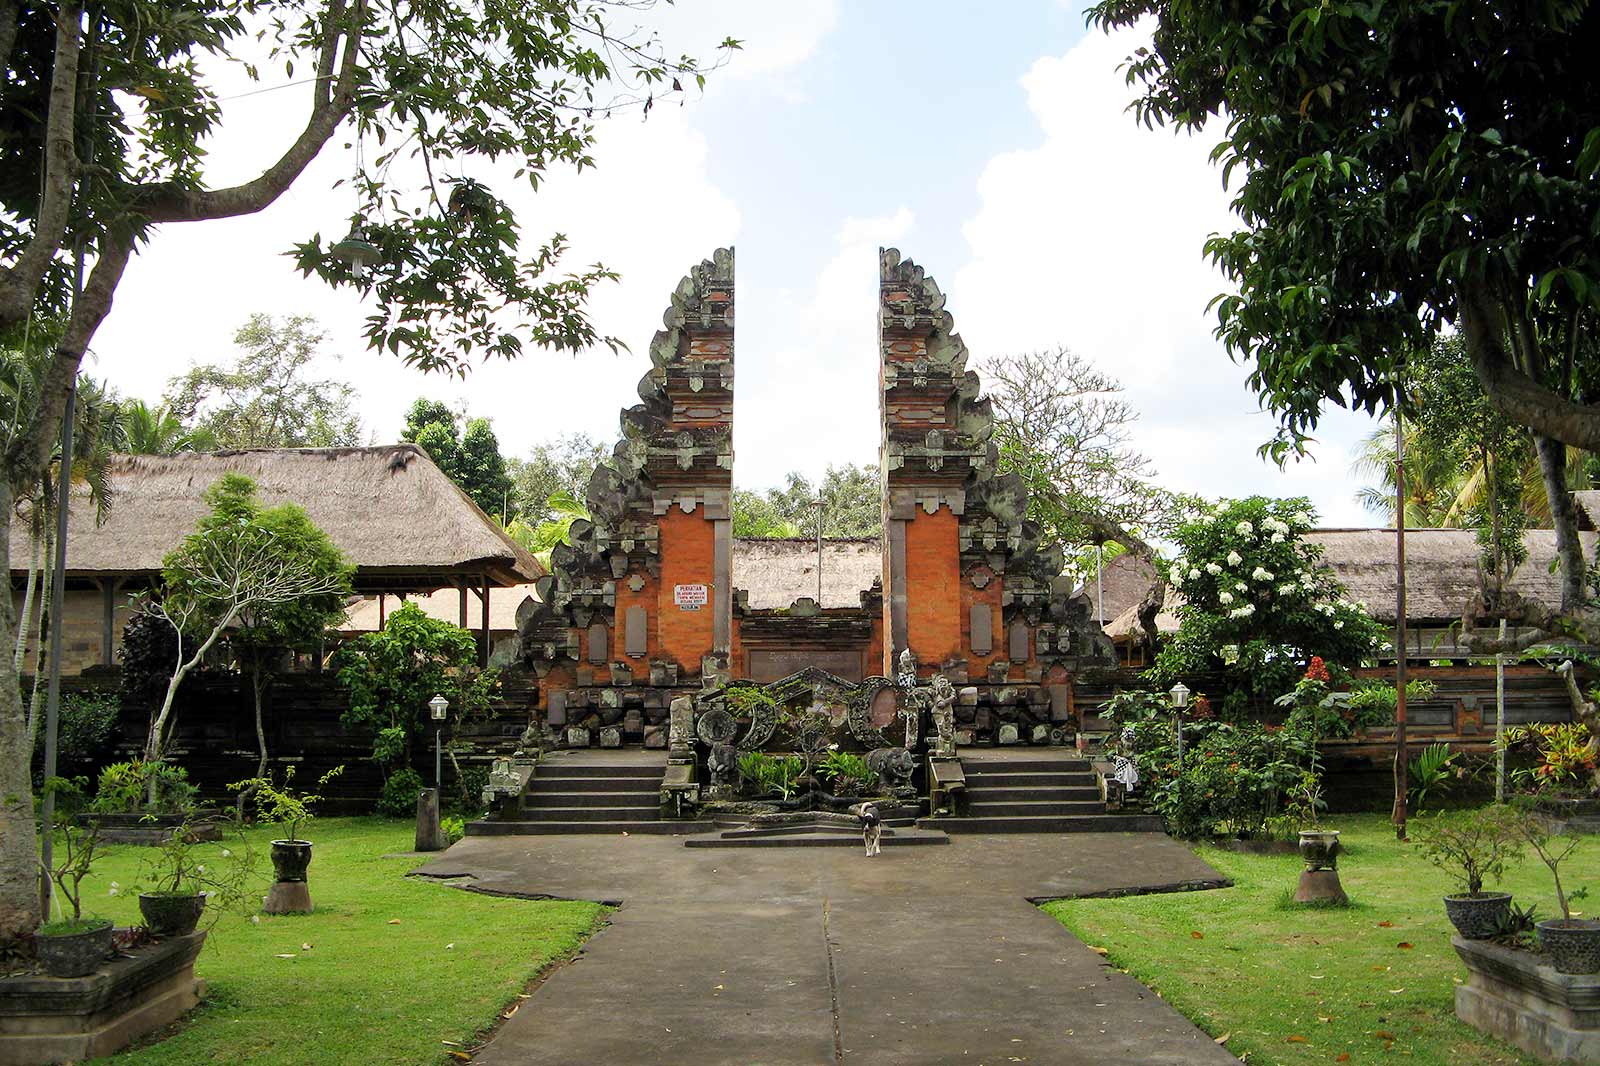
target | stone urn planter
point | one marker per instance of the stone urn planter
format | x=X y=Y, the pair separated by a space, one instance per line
x=1477 y=915
x=77 y=953
x=171 y=914
x=1571 y=944
x=1519 y=997
x=1319 y=881
x=290 y=858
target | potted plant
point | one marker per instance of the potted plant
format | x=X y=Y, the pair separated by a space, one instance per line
x=282 y=805
x=75 y=946
x=1319 y=847
x=183 y=878
x=1472 y=850
x=1573 y=944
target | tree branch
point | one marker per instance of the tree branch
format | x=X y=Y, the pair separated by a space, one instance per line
x=168 y=202
x=19 y=283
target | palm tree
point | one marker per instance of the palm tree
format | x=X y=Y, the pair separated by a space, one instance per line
x=159 y=431
x=1433 y=477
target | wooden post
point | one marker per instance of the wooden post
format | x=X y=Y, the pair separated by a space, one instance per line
x=380 y=610
x=1400 y=754
x=484 y=655
x=461 y=587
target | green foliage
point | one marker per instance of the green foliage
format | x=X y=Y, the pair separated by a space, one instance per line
x=282 y=804
x=1258 y=603
x=563 y=510
x=467 y=450
x=148 y=430
x=561 y=464
x=399 y=796
x=392 y=674
x=1552 y=848
x=264 y=400
x=765 y=774
x=1473 y=848
x=1062 y=426
x=454 y=828
x=1566 y=755
x=851 y=506
x=1430 y=773
x=124 y=787
x=86 y=727
x=74 y=860
x=226 y=872
x=1398 y=167
x=847 y=773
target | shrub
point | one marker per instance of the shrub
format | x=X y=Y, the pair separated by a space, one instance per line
x=454 y=828
x=848 y=773
x=399 y=798
x=1474 y=848
x=124 y=788
x=86 y=726
x=281 y=804
x=468 y=795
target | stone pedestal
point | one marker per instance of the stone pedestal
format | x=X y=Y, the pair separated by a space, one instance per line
x=1512 y=995
x=55 y=1019
x=288 y=897
x=1317 y=885
x=430 y=835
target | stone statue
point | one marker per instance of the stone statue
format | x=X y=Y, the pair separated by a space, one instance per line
x=531 y=741
x=1123 y=768
x=893 y=767
x=723 y=767
x=906 y=677
x=943 y=713
x=680 y=731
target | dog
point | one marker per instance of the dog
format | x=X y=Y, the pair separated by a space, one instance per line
x=871 y=830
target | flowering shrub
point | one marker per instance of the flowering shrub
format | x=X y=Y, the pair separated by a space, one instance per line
x=1257 y=602
x=1566 y=757
x=1236 y=778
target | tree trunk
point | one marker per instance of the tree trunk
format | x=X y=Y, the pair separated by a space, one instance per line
x=1564 y=517
x=31 y=631
x=27 y=606
x=19 y=845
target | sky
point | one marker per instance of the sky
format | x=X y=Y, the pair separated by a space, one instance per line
x=996 y=152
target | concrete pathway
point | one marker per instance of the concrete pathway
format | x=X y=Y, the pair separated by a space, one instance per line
x=819 y=956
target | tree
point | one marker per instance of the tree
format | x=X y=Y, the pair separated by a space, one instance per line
x=1258 y=603
x=852 y=505
x=264 y=628
x=157 y=430
x=1063 y=427
x=561 y=464
x=392 y=674
x=242 y=566
x=466 y=449
x=109 y=110
x=1405 y=168
x=265 y=399
x=561 y=510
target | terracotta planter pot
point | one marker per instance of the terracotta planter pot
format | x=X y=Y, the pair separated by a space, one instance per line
x=1572 y=946
x=76 y=954
x=1320 y=848
x=1477 y=916
x=290 y=859
x=169 y=914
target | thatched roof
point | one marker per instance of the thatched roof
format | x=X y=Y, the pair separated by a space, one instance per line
x=778 y=571
x=1125 y=580
x=394 y=514
x=1588 y=502
x=1441 y=573
x=1126 y=624
x=445 y=605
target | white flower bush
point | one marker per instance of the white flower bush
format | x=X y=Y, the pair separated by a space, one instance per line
x=1234 y=558
x=1213 y=569
x=1261 y=573
x=1225 y=598
x=1244 y=529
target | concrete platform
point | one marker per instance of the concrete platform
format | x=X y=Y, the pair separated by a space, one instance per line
x=783 y=957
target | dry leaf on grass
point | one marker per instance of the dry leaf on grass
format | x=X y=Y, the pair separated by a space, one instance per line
x=1386 y=924
x=1296 y=1038
x=1197 y=934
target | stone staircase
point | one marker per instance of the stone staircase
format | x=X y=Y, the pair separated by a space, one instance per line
x=1035 y=793
x=590 y=792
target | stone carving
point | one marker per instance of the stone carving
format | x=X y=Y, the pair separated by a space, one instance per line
x=942 y=711
x=859 y=716
x=680 y=742
x=716 y=726
x=906 y=674
x=894 y=767
x=723 y=767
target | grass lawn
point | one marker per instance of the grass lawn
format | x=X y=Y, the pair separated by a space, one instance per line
x=384 y=971
x=1291 y=985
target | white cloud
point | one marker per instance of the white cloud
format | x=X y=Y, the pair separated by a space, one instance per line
x=1093 y=239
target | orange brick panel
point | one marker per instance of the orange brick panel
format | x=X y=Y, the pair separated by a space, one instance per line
x=933 y=586
x=686 y=559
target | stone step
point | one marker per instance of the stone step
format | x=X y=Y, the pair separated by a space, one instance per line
x=1084 y=793
x=526 y=828
x=1018 y=779
x=557 y=768
x=1001 y=764
x=904 y=838
x=541 y=783
x=1088 y=823
x=977 y=808
x=540 y=797
x=590 y=814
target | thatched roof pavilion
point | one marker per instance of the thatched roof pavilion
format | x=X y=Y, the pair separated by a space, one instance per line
x=400 y=521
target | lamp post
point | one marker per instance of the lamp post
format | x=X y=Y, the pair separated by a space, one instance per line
x=438 y=705
x=1180 y=700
